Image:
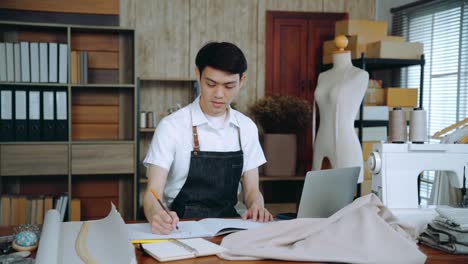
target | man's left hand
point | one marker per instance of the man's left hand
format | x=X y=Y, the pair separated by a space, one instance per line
x=257 y=213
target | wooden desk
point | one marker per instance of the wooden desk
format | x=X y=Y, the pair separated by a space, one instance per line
x=433 y=256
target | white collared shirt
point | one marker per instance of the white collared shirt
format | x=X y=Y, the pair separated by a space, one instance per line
x=173 y=142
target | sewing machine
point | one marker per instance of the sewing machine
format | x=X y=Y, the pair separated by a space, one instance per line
x=395 y=169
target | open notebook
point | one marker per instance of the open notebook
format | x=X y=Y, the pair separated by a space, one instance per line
x=207 y=227
x=181 y=249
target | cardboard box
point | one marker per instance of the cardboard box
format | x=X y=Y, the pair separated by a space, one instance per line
x=394 y=50
x=394 y=38
x=374 y=84
x=374 y=112
x=402 y=97
x=354 y=45
x=374 y=96
x=367 y=30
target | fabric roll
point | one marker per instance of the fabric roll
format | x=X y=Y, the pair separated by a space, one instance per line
x=397 y=126
x=150 y=120
x=418 y=126
x=143 y=120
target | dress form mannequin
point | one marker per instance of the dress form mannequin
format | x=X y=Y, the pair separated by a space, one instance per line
x=339 y=94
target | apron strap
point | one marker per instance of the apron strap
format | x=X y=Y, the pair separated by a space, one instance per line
x=196 y=145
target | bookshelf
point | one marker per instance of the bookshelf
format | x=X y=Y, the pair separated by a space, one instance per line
x=153 y=95
x=96 y=160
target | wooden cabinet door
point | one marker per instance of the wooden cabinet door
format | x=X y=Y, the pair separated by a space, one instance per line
x=293 y=58
x=102 y=159
x=41 y=159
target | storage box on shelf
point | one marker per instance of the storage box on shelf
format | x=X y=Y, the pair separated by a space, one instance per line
x=97 y=111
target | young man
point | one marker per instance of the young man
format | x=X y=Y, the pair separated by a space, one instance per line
x=200 y=154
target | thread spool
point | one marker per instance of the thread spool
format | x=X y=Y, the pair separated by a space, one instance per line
x=143 y=120
x=418 y=126
x=150 y=119
x=397 y=126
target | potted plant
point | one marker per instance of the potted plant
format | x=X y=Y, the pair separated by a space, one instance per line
x=281 y=118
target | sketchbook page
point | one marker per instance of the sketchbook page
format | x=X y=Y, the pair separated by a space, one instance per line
x=68 y=233
x=187 y=229
x=220 y=226
x=47 y=252
x=105 y=241
x=168 y=250
x=203 y=246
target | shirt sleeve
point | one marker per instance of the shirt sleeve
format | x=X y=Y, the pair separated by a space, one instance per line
x=253 y=153
x=161 y=151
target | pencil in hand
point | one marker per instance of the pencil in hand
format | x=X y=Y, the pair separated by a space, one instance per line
x=155 y=195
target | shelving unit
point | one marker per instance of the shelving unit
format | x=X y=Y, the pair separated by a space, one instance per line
x=92 y=157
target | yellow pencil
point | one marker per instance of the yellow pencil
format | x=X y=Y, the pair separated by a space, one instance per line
x=144 y=241
x=161 y=204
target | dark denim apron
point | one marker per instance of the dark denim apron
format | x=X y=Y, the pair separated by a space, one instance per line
x=211 y=186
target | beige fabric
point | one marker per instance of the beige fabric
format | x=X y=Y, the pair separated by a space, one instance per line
x=362 y=232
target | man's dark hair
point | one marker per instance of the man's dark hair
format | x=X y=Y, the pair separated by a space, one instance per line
x=222 y=56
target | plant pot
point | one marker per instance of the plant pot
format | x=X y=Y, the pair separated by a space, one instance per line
x=280 y=153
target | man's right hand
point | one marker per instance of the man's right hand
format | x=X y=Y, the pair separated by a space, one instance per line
x=163 y=223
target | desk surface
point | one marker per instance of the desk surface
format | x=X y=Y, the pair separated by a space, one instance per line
x=433 y=256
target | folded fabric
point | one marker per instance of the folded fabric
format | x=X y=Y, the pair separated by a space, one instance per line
x=362 y=232
x=441 y=234
x=454 y=216
x=443 y=224
x=434 y=241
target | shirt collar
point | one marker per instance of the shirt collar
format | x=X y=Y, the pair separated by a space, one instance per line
x=198 y=118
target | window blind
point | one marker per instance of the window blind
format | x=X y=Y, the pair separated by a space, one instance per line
x=442 y=27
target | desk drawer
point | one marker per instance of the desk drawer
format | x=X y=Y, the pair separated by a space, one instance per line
x=102 y=158
x=44 y=159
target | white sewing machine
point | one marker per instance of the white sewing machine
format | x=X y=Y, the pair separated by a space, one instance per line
x=395 y=169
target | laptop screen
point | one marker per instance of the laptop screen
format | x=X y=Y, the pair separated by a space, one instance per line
x=327 y=191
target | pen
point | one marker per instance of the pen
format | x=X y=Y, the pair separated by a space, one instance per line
x=161 y=204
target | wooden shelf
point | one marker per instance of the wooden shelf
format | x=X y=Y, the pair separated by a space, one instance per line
x=73 y=26
x=165 y=79
x=34 y=143
x=35 y=84
x=113 y=86
x=95 y=142
x=147 y=130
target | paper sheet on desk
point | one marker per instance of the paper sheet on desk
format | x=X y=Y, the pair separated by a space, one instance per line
x=106 y=240
x=207 y=227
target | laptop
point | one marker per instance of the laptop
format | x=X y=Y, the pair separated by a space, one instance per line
x=327 y=191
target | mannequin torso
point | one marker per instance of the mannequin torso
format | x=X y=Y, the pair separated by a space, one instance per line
x=339 y=94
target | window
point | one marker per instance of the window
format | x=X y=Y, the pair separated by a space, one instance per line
x=442 y=26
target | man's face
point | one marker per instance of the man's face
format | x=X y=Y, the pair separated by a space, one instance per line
x=218 y=89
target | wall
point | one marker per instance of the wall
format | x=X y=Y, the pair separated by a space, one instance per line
x=169 y=34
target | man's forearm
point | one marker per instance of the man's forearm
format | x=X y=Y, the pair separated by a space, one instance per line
x=253 y=198
x=156 y=181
